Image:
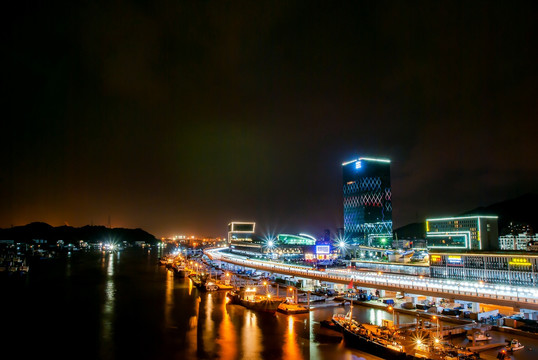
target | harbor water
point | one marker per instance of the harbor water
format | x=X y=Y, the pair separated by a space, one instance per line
x=120 y=305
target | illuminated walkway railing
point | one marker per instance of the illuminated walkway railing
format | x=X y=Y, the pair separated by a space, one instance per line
x=520 y=297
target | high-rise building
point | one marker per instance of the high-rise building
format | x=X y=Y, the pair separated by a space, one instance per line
x=367 y=202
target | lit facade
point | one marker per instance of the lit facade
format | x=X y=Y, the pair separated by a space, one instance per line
x=516 y=242
x=300 y=247
x=294 y=246
x=241 y=235
x=367 y=202
x=513 y=269
x=464 y=232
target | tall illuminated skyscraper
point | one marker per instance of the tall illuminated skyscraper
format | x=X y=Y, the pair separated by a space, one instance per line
x=367 y=201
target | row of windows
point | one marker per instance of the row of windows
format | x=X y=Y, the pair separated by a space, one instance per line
x=504 y=277
x=494 y=263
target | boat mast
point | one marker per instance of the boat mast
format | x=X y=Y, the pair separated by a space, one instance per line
x=350 y=310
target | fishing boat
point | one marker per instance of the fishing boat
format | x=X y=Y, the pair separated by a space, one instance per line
x=514 y=345
x=367 y=338
x=179 y=269
x=287 y=307
x=479 y=336
x=216 y=286
x=198 y=280
x=370 y=338
x=211 y=286
x=248 y=298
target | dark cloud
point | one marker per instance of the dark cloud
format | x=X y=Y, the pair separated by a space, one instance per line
x=178 y=117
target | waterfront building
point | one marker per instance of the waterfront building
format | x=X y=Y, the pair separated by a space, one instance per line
x=464 y=232
x=516 y=242
x=242 y=238
x=295 y=246
x=367 y=202
x=513 y=268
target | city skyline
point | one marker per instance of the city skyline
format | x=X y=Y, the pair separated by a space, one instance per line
x=177 y=123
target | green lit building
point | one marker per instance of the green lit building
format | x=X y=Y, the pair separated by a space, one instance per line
x=472 y=232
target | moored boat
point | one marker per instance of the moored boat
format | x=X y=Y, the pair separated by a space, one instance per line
x=369 y=338
x=360 y=337
x=287 y=307
x=479 y=336
x=514 y=345
x=248 y=298
x=179 y=269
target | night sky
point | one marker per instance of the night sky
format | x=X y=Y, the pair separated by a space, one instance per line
x=178 y=117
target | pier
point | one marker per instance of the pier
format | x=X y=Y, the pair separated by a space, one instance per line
x=467 y=291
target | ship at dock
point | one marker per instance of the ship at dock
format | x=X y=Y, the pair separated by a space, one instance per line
x=390 y=342
x=179 y=268
x=248 y=298
x=372 y=339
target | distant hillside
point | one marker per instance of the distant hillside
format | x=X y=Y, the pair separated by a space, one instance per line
x=518 y=210
x=68 y=234
x=411 y=231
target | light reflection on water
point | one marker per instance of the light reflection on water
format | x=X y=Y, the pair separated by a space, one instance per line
x=227 y=339
x=191 y=335
x=250 y=336
x=107 y=314
x=291 y=350
x=102 y=308
x=168 y=307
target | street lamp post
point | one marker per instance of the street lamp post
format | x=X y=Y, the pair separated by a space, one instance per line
x=437 y=320
x=391 y=309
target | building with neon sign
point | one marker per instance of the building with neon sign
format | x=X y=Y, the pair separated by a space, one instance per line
x=302 y=246
x=241 y=237
x=463 y=232
x=367 y=202
x=513 y=268
x=243 y=240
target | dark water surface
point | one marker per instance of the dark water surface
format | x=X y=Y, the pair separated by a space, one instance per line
x=125 y=306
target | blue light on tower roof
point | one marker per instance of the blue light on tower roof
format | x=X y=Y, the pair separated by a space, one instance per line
x=367 y=159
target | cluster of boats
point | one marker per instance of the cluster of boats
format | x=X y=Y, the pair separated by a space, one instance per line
x=177 y=264
x=14 y=265
x=251 y=299
x=390 y=342
x=255 y=296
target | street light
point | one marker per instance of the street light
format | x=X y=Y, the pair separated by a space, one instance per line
x=437 y=320
x=291 y=290
x=391 y=309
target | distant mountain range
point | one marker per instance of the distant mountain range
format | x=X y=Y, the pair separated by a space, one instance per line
x=518 y=210
x=44 y=231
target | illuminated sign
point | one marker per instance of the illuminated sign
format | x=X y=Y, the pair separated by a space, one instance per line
x=358 y=165
x=287 y=239
x=244 y=227
x=323 y=249
x=455 y=260
x=519 y=261
x=436 y=258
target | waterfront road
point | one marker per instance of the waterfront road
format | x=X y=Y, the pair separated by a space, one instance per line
x=475 y=291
